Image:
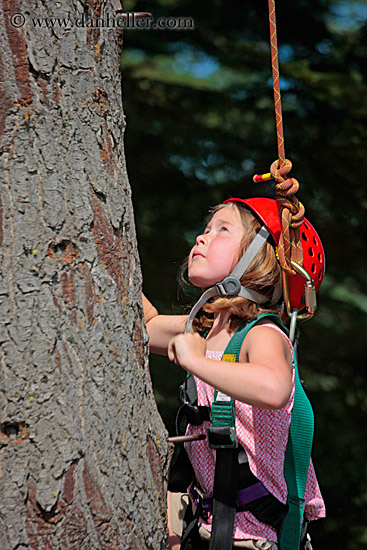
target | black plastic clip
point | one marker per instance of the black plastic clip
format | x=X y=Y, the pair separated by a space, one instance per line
x=222 y=437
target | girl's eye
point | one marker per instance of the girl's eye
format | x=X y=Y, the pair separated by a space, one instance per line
x=224 y=228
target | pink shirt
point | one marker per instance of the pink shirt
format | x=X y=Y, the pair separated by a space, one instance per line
x=263 y=434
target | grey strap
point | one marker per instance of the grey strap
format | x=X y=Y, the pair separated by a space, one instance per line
x=213 y=291
x=252 y=295
x=202 y=300
x=251 y=252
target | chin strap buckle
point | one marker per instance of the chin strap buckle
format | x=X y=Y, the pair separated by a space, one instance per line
x=230 y=286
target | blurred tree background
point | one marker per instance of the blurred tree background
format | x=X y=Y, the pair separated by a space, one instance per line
x=200 y=123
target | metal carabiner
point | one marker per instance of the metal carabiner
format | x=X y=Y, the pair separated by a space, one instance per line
x=310 y=294
x=293 y=325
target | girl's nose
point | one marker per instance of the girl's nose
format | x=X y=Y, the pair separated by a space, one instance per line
x=201 y=239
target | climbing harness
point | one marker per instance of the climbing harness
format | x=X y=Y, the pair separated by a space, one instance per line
x=235 y=487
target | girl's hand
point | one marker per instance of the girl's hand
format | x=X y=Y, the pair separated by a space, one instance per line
x=185 y=349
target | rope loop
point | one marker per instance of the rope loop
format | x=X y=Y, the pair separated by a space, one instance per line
x=292 y=214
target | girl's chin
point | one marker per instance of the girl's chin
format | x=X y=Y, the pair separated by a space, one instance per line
x=202 y=283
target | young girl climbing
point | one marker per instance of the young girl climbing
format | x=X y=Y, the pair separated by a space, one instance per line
x=239 y=243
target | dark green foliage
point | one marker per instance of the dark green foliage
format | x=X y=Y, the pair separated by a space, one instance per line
x=200 y=117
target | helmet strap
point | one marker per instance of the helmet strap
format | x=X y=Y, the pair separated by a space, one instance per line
x=251 y=252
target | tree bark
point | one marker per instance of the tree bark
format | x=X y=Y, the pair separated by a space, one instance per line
x=83 y=451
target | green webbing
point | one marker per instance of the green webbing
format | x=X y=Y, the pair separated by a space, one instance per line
x=222 y=412
x=296 y=464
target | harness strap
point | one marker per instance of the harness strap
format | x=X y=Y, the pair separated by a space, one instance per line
x=252 y=496
x=296 y=465
x=224 y=499
x=222 y=411
x=190 y=530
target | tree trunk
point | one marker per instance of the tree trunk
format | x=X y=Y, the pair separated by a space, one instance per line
x=83 y=451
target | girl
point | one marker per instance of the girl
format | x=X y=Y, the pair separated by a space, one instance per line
x=235 y=245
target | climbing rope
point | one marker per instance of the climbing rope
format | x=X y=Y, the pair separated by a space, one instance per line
x=291 y=209
x=276 y=81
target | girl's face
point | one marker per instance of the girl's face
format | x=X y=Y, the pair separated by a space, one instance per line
x=217 y=249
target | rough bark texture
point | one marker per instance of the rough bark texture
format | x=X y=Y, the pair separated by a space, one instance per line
x=83 y=452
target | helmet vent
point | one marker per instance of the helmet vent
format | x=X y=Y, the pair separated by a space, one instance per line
x=320 y=275
x=310 y=251
x=304 y=236
x=319 y=257
x=314 y=240
x=306 y=226
x=313 y=268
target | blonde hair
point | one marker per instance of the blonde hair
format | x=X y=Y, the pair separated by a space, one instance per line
x=263 y=275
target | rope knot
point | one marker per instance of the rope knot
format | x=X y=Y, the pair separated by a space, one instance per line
x=277 y=172
x=292 y=214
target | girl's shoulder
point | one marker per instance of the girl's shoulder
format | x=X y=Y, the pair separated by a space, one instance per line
x=268 y=321
x=267 y=336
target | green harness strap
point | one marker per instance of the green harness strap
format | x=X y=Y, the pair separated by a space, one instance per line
x=222 y=411
x=298 y=451
x=296 y=464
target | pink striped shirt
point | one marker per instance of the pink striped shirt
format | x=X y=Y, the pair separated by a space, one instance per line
x=263 y=434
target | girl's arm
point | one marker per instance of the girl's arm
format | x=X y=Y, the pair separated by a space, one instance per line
x=161 y=328
x=262 y=378
x=149 y=310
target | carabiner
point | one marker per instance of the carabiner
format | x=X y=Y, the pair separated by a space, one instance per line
x=293 y=325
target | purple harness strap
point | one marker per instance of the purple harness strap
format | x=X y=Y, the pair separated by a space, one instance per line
x=244 y=496
x=248 y=494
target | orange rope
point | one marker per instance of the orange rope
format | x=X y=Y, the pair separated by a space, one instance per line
x=276 y=83
x=292 y=210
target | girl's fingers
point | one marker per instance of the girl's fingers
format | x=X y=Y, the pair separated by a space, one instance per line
x=172 y=352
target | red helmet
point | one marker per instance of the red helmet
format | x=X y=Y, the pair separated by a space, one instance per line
x=267 y=211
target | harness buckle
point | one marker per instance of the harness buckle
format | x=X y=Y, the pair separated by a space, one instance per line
x=230 y=286
x=222 y=437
